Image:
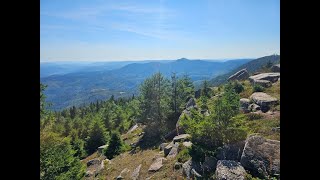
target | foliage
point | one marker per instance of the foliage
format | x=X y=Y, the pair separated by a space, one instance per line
x=238 y=87
x=209 y=133
x=97 y=136
x=57 y=159
x=258 y=88
x=115 y=146
x=183 y=154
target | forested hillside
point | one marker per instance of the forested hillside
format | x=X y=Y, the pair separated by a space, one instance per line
x=99 y=81
x=168 y=131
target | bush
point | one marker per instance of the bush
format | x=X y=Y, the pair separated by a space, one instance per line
x=238 y=87
x=183 y=154
x=258 y=88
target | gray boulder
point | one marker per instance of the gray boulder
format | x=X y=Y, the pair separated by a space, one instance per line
x=229 y=170
x=135 y=173
x=244 y=104
x=272 y=77
x=174 y=151
x=261 y=156
x=263 y=100
x=156 y=165
x=168 y=148
x=240 y=75
x=254 y=107
x=162 y=146
x=231 y=151
x=181 y=138
x=191 y=104
x=275 y=68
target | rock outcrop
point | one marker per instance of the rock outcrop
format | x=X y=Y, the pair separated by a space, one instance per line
x=272 y=77
x=188 y=166
x=261 y=156
x=229 y=170
x=240 y=75
x=231 y=151
x=263 y=100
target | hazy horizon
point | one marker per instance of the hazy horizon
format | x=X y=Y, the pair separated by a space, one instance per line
x=158 y=29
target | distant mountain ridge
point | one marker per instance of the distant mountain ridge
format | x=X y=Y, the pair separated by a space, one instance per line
x=251 y=66
x=88 y=85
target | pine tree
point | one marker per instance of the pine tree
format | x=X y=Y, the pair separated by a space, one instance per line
x=114 y=147
x=97 y=136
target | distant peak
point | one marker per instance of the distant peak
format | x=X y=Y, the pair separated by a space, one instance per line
x=182 y=59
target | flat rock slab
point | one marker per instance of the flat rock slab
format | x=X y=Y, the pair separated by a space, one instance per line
x=156 y=165
x=261 y=156
x=240 y=75
x=228 y=169
x=272 y=77
x=181 y=137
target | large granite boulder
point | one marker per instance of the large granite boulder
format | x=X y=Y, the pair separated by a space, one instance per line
x=272 y=77
x=231 y=151
x=157 y=164
x=261 y=156
x=244 y=104
x=229 y=170
x=181 y=138
x=275 y=68
x=263 y=100
x=240 y=75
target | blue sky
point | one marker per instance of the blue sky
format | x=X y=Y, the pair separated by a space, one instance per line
x=115 y=30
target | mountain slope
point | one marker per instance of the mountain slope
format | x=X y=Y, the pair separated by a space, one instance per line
x=85 y=86
x=251 y=67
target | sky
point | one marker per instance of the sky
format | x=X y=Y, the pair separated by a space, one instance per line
x=122 y=30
